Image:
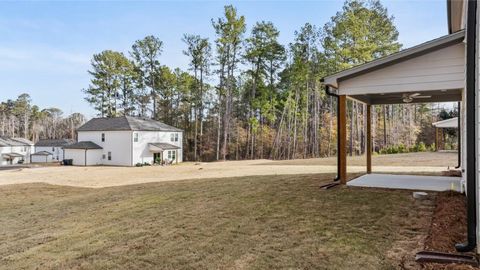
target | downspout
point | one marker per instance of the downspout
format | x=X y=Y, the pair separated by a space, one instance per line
x=459 y=137
x=85 y=157
x=327 y=91
x=471 y=88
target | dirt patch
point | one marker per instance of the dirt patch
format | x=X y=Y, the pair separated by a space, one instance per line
x=449 y=226
x=410 y=237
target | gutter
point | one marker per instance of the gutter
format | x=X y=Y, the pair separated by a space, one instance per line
x=471 y=88
x=327 y=91
x=449 y=14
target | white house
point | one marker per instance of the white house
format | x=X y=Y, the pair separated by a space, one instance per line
x=125 y=141
x=15 y=150
x=52 y=146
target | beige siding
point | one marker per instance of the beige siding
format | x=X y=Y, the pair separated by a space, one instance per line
x=438 y=70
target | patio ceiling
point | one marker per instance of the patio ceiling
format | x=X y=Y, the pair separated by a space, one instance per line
x=421 y=97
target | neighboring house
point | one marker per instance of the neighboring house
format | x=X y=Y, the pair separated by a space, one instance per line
x=125 y=141
x=15 y=150
x=52 y=146
x=441 y=70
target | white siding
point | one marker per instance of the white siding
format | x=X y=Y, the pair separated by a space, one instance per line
x=41 y=159
x=141 y=152
x=56 y=151
x=119 y=143
x=23 y=150
x=438 y=70
x=94 y=157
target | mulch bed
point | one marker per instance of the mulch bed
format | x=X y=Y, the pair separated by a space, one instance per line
x=449 y=226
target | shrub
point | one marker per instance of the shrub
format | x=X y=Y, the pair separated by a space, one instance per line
x=146 y=164
x=402 y=148
x=422 y=147
x=138 y=164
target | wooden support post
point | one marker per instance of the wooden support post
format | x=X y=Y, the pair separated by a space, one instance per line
x=369 y=138
x=436 y=139
x=342 y=130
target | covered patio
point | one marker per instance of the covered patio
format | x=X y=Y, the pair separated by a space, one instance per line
x=430 y=72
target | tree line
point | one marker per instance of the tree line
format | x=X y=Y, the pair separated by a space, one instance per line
x=21 y=118
x=245 y=95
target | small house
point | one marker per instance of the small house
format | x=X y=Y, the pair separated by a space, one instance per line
x=52 y=146
x=126 y=141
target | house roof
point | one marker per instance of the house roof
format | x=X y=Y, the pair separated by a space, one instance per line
x=424 y=48
x=83 y=145
x=164 y=146
x=125 y=123
x=42 y=153
x=54 y=142
x=7 y=141
x=448 y=123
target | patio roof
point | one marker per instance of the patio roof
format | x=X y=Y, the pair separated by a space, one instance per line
x=448 y=123
x=12 y=155
x=430 y=72
x=162 y=146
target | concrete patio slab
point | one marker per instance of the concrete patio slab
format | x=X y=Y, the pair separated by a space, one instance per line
x=413 y=182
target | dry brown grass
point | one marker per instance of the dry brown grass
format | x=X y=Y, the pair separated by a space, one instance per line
x=420 y=159
x=263 y=222
x=417 y=163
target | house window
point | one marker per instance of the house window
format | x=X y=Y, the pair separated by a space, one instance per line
x=104 y=156
x=171 y=154
x=135 y=137
x=174 y=137
x=103 y=137
x=109 y=155
x=53 y=149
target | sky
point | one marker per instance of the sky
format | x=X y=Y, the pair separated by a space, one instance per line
x=46 y=46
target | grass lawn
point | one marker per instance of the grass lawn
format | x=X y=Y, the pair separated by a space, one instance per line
x=260 y=222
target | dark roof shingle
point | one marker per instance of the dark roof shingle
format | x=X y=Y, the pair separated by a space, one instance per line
x=125 y=123
x=83 y=145
x=42 y=153
x=165 y=146
x=54 y=142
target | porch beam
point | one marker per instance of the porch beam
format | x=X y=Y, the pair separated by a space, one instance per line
x=369 y=138
x=342 y=136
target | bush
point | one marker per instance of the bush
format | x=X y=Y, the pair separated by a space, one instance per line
x=138 y=164
x=402 y=148
x=422 y=147
x=146 y=164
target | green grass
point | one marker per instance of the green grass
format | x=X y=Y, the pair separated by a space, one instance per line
x=261 y=222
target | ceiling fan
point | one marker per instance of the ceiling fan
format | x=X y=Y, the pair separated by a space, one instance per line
x=407 y=98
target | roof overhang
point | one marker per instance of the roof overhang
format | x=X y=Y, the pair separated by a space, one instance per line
x=404 y=55
x=12 y=155
x=448 y=123
x=155 y=147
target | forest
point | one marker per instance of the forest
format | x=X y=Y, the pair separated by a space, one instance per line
x=245 y=95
